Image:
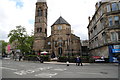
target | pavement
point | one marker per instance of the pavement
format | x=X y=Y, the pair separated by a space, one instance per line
x=35 y=69
x=64 y=63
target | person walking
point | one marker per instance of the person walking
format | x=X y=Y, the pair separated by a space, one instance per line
x=67 y=62
x=78 y=61
x=20 y=56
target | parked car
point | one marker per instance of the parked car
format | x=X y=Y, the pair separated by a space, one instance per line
x=98 y=59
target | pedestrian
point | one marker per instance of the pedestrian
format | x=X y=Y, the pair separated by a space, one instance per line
x=20 y=56
x=15 y=56
x=67 y=62
x=13 y=53
x=41 y=60
x=78 y=61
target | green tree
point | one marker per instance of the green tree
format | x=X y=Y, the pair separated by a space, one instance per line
x=3 y=45
x=24 y=41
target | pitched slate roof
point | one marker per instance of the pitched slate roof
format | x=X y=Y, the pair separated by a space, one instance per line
x=60 y=20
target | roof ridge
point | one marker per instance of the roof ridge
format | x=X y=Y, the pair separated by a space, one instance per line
x=61 y=20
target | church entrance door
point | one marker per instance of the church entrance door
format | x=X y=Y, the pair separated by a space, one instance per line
x=59 y=51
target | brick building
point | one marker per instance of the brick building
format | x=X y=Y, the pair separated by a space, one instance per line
x=61 y=42
x=104 y=30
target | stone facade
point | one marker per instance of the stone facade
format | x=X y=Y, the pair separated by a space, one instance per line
x=104 y=29
x=40 y=27
x=61 y=42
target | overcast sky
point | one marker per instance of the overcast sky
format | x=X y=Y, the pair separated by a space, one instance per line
x=22 y=12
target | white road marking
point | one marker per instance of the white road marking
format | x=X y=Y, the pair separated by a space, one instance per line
x=8 y=68
x=46 y=75
x=24 y=72
x=60 y=69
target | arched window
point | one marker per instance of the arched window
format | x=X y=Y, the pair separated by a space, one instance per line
x=37 y=30
x=59 y=27
x=39 y=12
x=40 y=29
x=46 y=31
x=46 y=13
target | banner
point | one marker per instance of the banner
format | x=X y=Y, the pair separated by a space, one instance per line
x=115 y=50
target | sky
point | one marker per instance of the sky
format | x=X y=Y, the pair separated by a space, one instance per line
x=22 y=12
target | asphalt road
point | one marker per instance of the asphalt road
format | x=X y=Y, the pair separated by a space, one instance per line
x=25 y=69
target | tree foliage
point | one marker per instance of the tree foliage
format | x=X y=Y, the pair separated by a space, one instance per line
x=3 y=45
x=24 y=41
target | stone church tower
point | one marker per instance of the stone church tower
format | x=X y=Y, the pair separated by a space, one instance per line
x=61 y=42
x=40 y=26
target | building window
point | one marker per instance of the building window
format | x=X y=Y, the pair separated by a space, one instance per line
x=113 y=36
x=110 y=21
x=118 y=36
x=119 y=5
x=116 y=18
x=59 y=27
x=39 y=12
x=40 y=29
x=104 y=37
x=102 y=23
x=114 y=7
x=59 y=40
x=116 y=46
x=102 y=11
x=46 y=31
x=108 y=8
x=91 y=31
x=37 y=30
x=49 y=43
x=46 y=13
x=95 y=29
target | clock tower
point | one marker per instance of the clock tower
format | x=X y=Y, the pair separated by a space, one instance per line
x=40 y=25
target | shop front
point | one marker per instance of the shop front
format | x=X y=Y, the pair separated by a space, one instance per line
x=114 y=51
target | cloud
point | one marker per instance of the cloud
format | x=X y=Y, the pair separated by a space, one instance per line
x=22 y=12
x=11 y=15
x=19 y=3
x=3 y=35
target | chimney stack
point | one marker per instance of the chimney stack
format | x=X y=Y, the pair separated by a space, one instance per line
x=89 y=18
x=96 y=6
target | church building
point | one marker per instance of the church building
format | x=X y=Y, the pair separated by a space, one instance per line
x=61 y=42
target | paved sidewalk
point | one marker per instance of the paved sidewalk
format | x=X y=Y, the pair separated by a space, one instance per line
x=64 y=63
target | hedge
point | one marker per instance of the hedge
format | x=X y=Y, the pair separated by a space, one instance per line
x=34 y=57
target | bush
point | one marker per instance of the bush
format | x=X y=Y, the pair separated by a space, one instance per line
x=45 y=57
x=34 y=57
x=62 y=59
